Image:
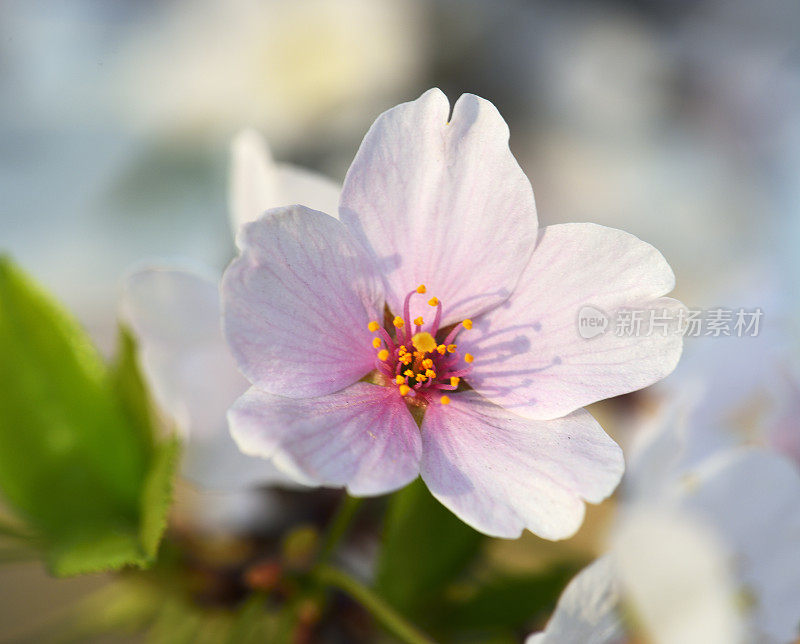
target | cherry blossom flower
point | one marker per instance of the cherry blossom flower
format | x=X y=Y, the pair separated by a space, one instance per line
x=432 y=331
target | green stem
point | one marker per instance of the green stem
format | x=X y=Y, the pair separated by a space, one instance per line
x=379 y=609
x=338 y=526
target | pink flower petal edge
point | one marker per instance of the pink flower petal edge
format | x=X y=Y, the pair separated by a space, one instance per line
x=502 y=473
x=362 y=438
x=529 y=354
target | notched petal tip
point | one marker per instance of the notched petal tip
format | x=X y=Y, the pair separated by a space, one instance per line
x=421 y=177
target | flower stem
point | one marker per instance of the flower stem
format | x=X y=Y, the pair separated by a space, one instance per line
x=379 y=609
x=338 y=526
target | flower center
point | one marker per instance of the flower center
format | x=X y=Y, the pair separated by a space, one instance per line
x=421 y=368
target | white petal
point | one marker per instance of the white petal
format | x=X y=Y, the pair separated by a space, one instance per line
x=363 y=437
x=587 y=611
x=175 y=316
x=253 y=179
x=258 y=184
x=502 y=473
x=751 y=497
x=675 y=577
x=656 y=458
x=297 y=185
x=529 y=354
x=442 y=203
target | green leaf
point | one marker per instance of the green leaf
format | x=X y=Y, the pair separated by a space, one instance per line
x=508 y=603
x=157 y=495
x=425 y=547
x=78 y=458
x=131 y=390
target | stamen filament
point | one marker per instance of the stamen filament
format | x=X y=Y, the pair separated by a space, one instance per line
x=438 y=317
x=454 y=332
x=387 y=339
x=407 y=316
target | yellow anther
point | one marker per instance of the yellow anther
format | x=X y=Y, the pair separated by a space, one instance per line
x=409 y=373
x=427 y=363
x=402 y=350
x=373 y=326
x=404 y=389
x=424 y=342
x=430 y=373
x=399 y=379
x=468 y=357
x=376 y=342
x=421 y=289
x=419 y=321
x=467 y=324
x=406 y=359
x=419 y=354
x=383 y=354
x=398 y=322
x=445 y=400
x=433 y=301
x=454 y=380
x=420 y=377
x=441 y=349
x=451 y=348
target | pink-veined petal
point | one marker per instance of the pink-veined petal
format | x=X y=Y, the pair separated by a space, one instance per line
x=442 y=203
x=529 y=354
x=362 y=437
x=258 y=184
x=502 y=473
x=296 y=304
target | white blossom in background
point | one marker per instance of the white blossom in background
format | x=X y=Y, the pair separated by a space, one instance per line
x=294 y=70
x=174 y=312
x=258 y=183
x=588 y=609
x=641 y=585
x=702 y=551
x=741 y=390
